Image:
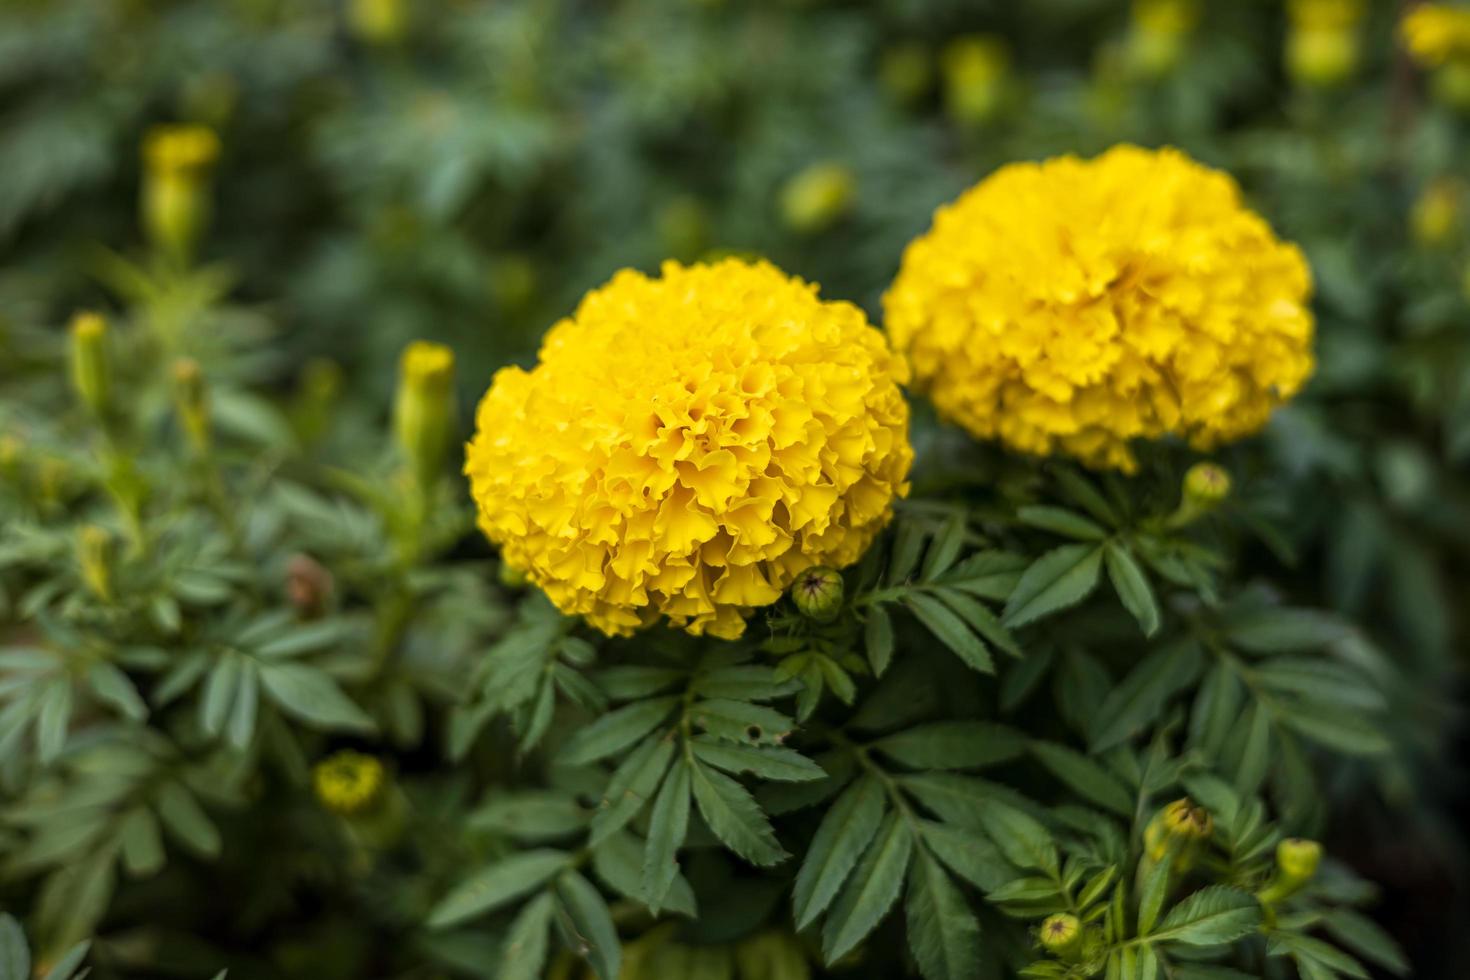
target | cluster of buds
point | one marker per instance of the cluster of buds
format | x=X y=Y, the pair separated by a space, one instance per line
x=976 y=71
x=423 y=414
x=177 y=163
x=1179 y=829
x=818 y=197
x=1205 y=487
x=1159 y=35
x=1322 y=44
x=1437 y=37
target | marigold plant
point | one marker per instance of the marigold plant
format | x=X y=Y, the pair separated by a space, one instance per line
x=1075 y=305
x=687 y=444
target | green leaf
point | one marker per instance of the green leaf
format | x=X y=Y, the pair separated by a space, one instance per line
x=66 y=967
x=766 y=761
x=619 y=862
x=142 y=843
x=872 y=890
x=1368 y=939
x=981 y=620
x=952 y=745
x=1059 y=520
x=530 y=816
x=219 y=692
x=667 y=827
x=988 y=574
x=632 y=785
x=590 y=923
x=497 y=886
x=1022 y=839
x=841 y=839
x=186 y=820
x=968 y=854
x=241 y=726
x=15 y=954
x=615 y=731
x=1139 y=699
x=523 y=954
x=113 y=687
x=735 y=817
x=741 y=721
x=311 y=696
x=943 y=933
x=908 y=545
x=1275 y=630
x=1133 y=588
x=1085 y=776
x=945 y=549
x=950 y=630
x=1345 y=732
x=1211 y=916
x=878 y=639
x=1309 y=950
x=305 y=638
x=1056 y=580
x=1152 y=890
x=1255 y=749
x=53 y=721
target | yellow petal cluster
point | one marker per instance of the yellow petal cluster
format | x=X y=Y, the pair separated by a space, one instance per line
x=1435 y=33
x=688 y=444
x=1074 y=305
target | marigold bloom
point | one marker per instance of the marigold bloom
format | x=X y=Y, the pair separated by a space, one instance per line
x=689 y=444
x=1435 y=33
x=1074 y=305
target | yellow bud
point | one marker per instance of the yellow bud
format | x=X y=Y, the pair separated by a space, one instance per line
x=191 y=399
x=94 y=555
x=1206 y=484
x=1061 y=934
x=1322 y=56
x=817 y=593
x=905 y=71
x=817 y=197
x=1179 y=828
x=1297 y=859
x=91 y=362
x=1436 y=216
x=424 y=412
x=378 y=21
x=1326 y=14
x=975 y=71
x=1159 y=35
x=349 y=783
x=175 y=199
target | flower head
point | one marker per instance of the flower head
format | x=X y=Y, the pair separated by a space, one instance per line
x=1436 y=33
x=1061 y=933
x=349 y=782
x=1074 y=305
x=1297 y=858
x=689 y=444
x=180 y=149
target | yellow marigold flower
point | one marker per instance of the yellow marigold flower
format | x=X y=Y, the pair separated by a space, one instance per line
x=348 y=782
x=689 y=444
x=1435 y=33
x=1074 y=305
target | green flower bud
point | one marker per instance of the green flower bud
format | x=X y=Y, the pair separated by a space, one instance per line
x=349 y=783
x=423 y=417
x=1297 y=859
x=817 y=592
x=1179 y=828
x=1061 y=934
x=94 y=554
x=975 y=70
x=1205 y=487
x=177 y=164
x=818 y=197
x=1451 y=85
x=91 y=363
x=1159 y=35
x=1437 y=215
x=191 y=400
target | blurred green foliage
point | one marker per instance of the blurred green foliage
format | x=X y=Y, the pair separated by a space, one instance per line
x=461 y=172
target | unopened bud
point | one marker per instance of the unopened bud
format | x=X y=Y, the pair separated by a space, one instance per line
x=191 y=399
x=975 y=71
x=1297 y=859
x=1436 y=217
x=1321 y=57
x=94 y=555
x=91 y=362
x=378 y=21
x=308 y=586
x=818 y=197
x=817 y=593
x=1451 y=83
x=1206 y=484
x=1061 y=934
x=349 y=783
x=1159 y=35
x=424 y=413
x=177 y=163
x=1178 y=828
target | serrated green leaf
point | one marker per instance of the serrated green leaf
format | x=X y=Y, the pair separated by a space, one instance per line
x=981 y=620
x=530 y=815
x=766 y=761
x=1085 y=777
x=735 y=817
x=497 y=886
x=1139 y=699
x=1211 y=916
x=142 y=842
x=523 y=954
x=309 y=695
x=591 y=924
x=1368 y=939
x=968 y=854
x=878 y=639
x=1152 y=890
x=186 y=820
x=953 y=745
x=15 y=954
x=841 y=838
x=1059 y=520
x=1022 y=839
x=945 y=549
x=632 y=786
x=616 y=731
x=950 y=630
x=1056 y=580
x=1133 y=587
x=113 y=687
x=943 y=933
x=66 y=967
x=667 y=827
x=1278 y=630
x=871 y=891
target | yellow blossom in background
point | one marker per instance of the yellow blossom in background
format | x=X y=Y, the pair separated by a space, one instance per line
x=817 y=197
x=1436 y=33
x=1322 y=44
x=1436 y=216
x=975 y=71
x=177 y=161
x=1074 y=305
x=348 y=783
x=423 y=411
x=1158 y=35
x=688 y=444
